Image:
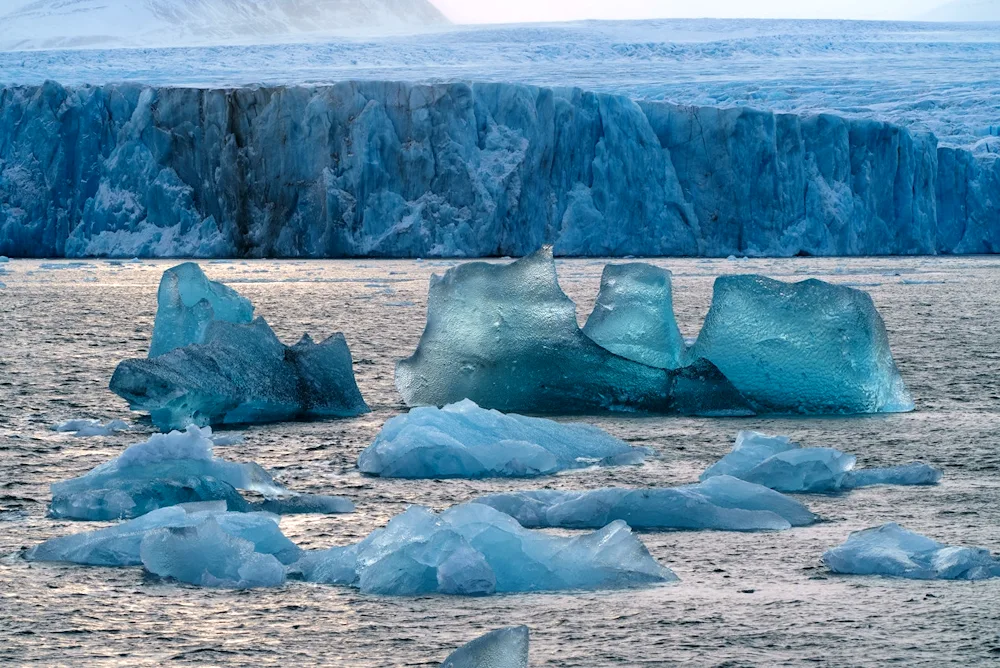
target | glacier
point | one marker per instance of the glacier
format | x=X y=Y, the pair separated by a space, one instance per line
x=781 y=464
x=392 y=169
x=722 y=503
x=894 y=551
x=506 y=337
x=463 y=440
x=174 y=469
x=502 y=648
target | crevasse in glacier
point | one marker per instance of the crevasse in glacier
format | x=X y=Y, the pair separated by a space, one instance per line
x=722 y=503
x=807 y=347
x=894 y=551
x=463 y=440
x=502 y=648
x=506 y=337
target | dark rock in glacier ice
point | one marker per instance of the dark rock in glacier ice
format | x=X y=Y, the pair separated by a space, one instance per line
x=502 y=648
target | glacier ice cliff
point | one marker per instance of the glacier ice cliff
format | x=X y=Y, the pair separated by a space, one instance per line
x=502 y=648
x=407 y=170
x=463 y=440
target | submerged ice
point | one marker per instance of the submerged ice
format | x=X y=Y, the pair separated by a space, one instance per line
x=722 y=503
x=463 y=440
x=502 y=648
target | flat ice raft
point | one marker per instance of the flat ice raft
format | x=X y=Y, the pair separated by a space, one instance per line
x=463 y=440
x=892 y=550
x=722 y=503
x=502 y=648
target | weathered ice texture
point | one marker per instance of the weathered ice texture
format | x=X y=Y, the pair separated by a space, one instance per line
x=403 y=170
x=502 y=648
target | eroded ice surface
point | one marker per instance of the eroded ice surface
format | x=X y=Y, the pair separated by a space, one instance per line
x=807 y=347
x=892 y=550
x=722 y=503
x=187 y=302
x=634 y=315
x=463 y=440
x=242 y=373
x=502 y=648
x=85 y=428
x=506 y=336
x=474 y=550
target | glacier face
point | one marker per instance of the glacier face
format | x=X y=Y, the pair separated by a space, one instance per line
x=456 y=170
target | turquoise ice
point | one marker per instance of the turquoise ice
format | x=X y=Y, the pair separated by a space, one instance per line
x=502 y=648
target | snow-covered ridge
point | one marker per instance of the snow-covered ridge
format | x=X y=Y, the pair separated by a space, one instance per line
x=403 y=170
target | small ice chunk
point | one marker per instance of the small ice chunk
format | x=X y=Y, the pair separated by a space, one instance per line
x=915 y=473
x=892 y=550
x=187 y=302
x=463 y=440
x=808 y=347
x=722 y=503
x=87 y=428
x=502 y=648
x=4 y=258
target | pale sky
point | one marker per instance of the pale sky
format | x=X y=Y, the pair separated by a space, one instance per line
x=516 y=11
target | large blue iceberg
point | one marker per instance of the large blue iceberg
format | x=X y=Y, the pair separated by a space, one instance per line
x=722 y=503
x=892 y=550
x=502 y=648
x=465 y=441
x=474 y=550
x=808 y=347
x=506 y=337
x=781 y=464
x=176 y=468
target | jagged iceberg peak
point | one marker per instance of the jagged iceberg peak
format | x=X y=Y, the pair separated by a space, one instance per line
x=173 y=469
x=463 y=440
x=784 y=465
x=502 y=648
x=722 y=503
x=474 y=550
x=506 y=337
x=894 y=551
x=187 y=303
x=808 y=347
x=242 y=373
x=634 y=315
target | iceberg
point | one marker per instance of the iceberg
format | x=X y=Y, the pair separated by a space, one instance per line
x=894 y=551
x=783 y=465
x=506 y=337
x=463 y=440
x=808 y=347
x=187 y=302
x=242 y=373
x=87 y=428
x=722 y=503
x=634 y=316
x=172 y=469
x=474 y=550
x=502 y=648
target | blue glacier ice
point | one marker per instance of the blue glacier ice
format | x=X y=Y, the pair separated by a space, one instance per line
x=781 y=464
x=634 y=315
x=506 y=337
x=807 y=347
x=502 y=648
x=242 y=373
x=171 y=469
x=463 y=440
x=722 y=503
x=474 y=550
x=894 y=551
x=187 y=302
x=86 y=428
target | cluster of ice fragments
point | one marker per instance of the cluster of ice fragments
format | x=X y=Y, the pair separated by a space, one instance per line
x=463 y=440
x=502 y=648
x=781 y=464
x=211 y=364
x=87 y=428
x=172 y=469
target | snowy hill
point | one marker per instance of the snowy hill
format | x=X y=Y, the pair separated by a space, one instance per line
x=44 y=24
x=966 y=10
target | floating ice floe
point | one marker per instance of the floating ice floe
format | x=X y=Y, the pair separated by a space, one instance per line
x=472 y=549
x=463 y=440
x=808 y=347
x=781 y=464
x=4 y=259
x=502 y=648
x=506 y=336
x=894 y=551
x=172 y=469
x=722 y=503
x=86 y=428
